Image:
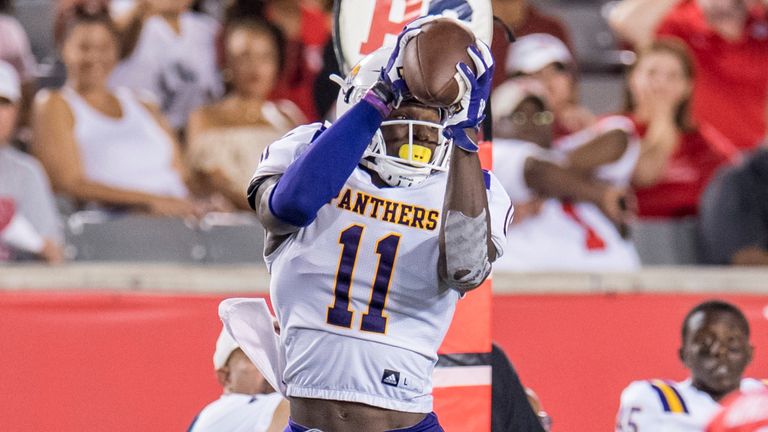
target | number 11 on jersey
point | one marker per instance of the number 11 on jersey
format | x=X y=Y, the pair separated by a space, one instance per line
x=341 y=314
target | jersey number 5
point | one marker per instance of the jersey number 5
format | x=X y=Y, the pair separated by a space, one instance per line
x=340 y=314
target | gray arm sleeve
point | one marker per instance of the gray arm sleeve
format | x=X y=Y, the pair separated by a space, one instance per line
x=466 y=251
x=277 y=231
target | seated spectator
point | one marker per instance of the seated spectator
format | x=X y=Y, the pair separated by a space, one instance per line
x=742 y=412
x=571 y=195
x=522 y=18
x=170 y=52
x=734 y=214
x=29 y=222
x=104 y=146
x=15 y=49
x=677 y=157
x=226 y=139
x=248 y=403
x=716 y=350
x=729 y=44
x=546 y=58
x=305 y=26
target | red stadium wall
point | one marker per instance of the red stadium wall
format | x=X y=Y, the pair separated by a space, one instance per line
x=128 y=362
x=579 y=351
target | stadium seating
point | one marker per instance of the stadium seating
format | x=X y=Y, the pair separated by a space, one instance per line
x=217 y=238
x=666 y=242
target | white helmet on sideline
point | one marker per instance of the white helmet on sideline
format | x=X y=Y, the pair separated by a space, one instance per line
x=404 y=171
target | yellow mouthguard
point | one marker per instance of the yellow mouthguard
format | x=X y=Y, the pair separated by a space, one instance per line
x=420 y=153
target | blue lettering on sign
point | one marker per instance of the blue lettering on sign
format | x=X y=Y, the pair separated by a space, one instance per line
x=462 y=8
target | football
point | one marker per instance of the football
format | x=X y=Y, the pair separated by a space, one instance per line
x=430 y=59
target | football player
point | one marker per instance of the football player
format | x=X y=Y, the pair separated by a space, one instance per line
x=248 y=402
x=376 y=226
x=716 y=350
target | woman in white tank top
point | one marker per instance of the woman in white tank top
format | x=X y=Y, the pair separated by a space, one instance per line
x=102 y=146
x=170 y=53
x=226 y=139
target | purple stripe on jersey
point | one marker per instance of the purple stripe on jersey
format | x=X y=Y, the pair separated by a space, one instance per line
x=679 y=396
x=664 y=402
x=507 y=218
x=487 y=179
x=429 y=424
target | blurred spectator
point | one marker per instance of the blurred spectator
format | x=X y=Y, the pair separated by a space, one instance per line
x=305 y=26
x=546 y=58
x=226 y=139
x=716 y=350
x=249 y=403
x=170 y=52
x=742 y=412
x=324 y=90
x=103 y=146
x=29 y=221
x=15 y=49
x=729 y=43
x=570 y=196
x=522 y=18
x=734 y=213
x=677 y=157
x=510 y=409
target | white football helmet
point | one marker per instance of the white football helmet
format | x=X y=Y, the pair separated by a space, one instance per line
x=410 y=168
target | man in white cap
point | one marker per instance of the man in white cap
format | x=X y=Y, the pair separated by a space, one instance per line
x=34 y=227
x=248 y=403
x=547 y=59
x=571 y=197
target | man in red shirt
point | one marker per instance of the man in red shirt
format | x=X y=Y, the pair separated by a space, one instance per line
x=729 y=43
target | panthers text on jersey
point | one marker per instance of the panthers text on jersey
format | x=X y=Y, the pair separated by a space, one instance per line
x=357 y=293
x=666 y=406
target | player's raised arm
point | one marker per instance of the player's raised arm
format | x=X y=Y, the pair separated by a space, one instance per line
x=287 y=201
x=466 y=247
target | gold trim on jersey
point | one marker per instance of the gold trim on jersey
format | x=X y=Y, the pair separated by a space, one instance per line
x=671 y=400
x=387 y=210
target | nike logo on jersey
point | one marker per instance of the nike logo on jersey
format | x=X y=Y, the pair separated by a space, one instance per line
x=391 y=378
x=388 y=211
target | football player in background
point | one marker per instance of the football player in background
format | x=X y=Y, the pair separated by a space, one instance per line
x=376 y=226
x=248 y=404
x=716 y=349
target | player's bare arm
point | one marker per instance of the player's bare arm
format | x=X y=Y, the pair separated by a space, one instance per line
x=466 y=248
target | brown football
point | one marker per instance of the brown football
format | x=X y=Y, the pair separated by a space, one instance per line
x=430 y=59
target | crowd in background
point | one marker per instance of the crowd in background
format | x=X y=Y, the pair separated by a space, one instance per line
x=167 y=106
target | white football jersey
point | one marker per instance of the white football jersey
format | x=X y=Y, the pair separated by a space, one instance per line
x=666 y=406
x=235 y=412
x=582 y=236
x=361 y=308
